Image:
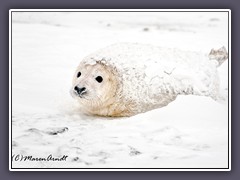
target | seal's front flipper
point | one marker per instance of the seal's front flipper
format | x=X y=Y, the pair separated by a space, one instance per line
x=220 y=55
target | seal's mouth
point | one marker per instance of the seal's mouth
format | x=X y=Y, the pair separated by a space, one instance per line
x=75 y=94
x=81 y=94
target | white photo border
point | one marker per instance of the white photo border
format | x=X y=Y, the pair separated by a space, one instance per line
x=119 y=169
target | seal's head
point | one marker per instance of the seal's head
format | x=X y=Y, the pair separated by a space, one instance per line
x=94 y=86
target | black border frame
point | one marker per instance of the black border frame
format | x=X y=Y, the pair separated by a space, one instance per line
x=121 y=169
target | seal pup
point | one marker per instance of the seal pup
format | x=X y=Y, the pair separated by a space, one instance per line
x=129 y=78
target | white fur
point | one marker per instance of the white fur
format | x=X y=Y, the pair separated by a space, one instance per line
x=144 y=77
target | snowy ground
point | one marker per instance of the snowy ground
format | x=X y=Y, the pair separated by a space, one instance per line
x=191 y=132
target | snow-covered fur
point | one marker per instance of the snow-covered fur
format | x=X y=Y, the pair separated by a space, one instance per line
x=150 y=77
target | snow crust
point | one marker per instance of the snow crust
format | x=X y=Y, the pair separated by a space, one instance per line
x=191 y=132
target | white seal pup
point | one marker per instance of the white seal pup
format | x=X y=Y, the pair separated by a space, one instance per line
x=130 y=78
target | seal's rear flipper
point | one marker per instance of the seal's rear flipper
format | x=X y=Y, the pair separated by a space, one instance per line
x=220 y=55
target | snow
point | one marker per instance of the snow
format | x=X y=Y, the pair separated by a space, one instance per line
x=190 y=132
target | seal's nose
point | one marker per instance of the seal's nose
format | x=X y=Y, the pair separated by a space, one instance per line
x=79 y=90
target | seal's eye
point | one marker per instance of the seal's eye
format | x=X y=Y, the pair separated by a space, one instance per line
x=78 y=74
x=99 y=79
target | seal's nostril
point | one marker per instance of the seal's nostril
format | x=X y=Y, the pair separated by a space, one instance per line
x=76 y=88
x=79 y=90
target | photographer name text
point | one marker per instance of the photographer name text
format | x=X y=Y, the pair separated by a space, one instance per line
x=19 y=157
